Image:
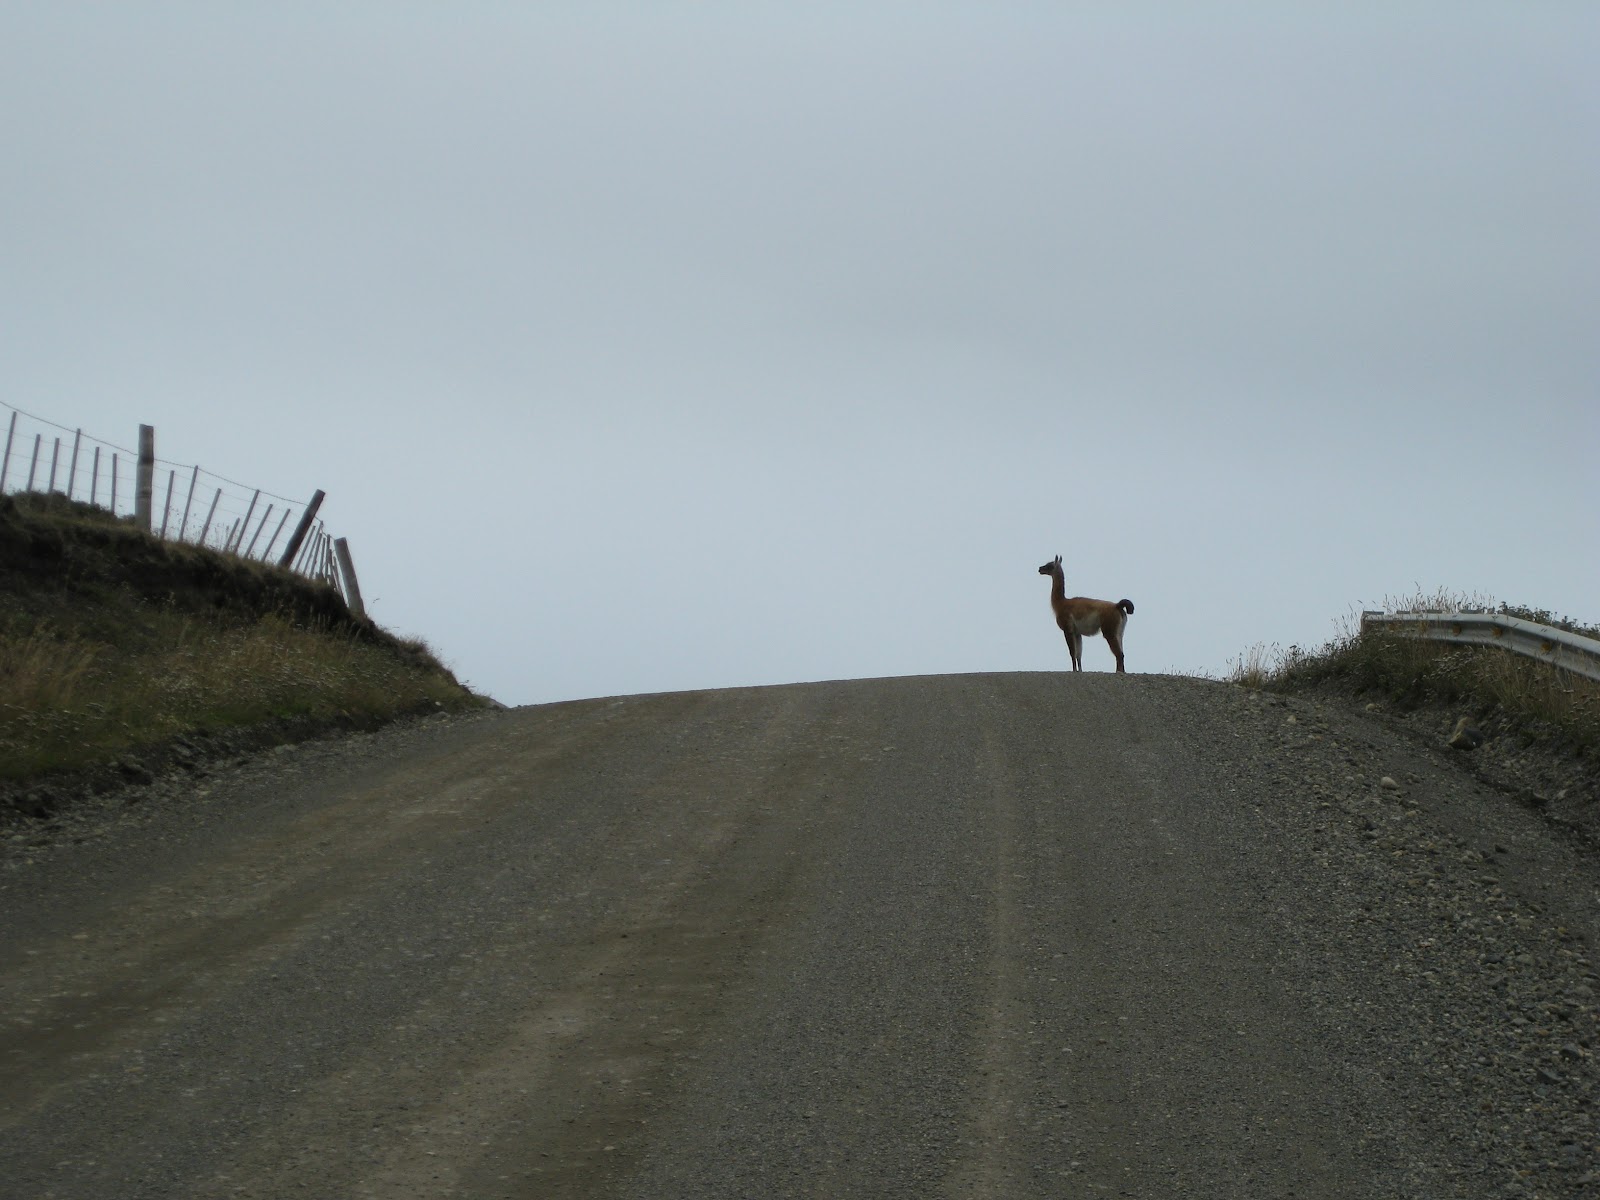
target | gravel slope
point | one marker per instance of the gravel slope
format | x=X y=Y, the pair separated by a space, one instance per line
x=1006 y=935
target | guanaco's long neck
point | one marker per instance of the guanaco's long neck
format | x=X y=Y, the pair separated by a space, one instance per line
x=1058 y=585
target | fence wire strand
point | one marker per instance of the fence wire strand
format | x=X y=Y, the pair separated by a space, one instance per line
x=188 y=503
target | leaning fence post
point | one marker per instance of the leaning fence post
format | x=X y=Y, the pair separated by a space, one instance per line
x=72 y=472
x=299 y=534
x=33 y=465
x=5 y=463
x=265 y=517
x=303 y=558
x=183 y=529
x=311 y=564
x=302 y=561
x=245 y=524
x=352 y=589
x=210 y=512
x=267 y=553
x=147 y=476
x=55 y=457
x=166 y=509
x=113 y=483
x=309 y=560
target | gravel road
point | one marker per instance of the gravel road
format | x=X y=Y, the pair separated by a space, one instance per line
x=1025 y=935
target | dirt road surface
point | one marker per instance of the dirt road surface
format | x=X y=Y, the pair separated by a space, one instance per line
x=1034 y=935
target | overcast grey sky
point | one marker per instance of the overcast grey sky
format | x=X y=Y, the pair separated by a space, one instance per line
x=653 y=347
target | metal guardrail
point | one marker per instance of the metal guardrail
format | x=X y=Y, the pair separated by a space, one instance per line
x=1571 y=651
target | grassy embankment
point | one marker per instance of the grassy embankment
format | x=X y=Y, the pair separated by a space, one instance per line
x=117 y=647
x=1541 y=703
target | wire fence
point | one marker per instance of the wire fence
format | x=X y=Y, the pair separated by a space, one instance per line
x=177 y=502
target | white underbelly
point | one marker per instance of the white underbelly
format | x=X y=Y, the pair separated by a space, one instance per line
x=1088 y=625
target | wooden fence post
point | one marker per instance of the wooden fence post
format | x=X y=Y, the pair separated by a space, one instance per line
x=299 y=534
x=352 y=589
x=55 y=457
x=33 y=465
x=113 y=483
x=94 y=480
x=147 y=477
x=5 y=464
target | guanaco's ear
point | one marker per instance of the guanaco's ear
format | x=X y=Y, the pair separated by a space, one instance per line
x=1058 y=560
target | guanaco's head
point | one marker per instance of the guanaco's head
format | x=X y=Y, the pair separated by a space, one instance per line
x=1050 y=568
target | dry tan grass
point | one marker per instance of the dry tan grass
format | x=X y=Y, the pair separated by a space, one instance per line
x=1256 y=666
x=40 y=669
x=69 y=702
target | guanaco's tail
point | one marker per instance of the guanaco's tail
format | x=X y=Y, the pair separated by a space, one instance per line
x=1126 y=606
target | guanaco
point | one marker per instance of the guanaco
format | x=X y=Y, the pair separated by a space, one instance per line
x=1080 y=617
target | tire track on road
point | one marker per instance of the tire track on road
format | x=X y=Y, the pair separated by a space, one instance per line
x=1000 y=1045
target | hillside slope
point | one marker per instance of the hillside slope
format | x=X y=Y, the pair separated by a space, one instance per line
x=121 y=653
